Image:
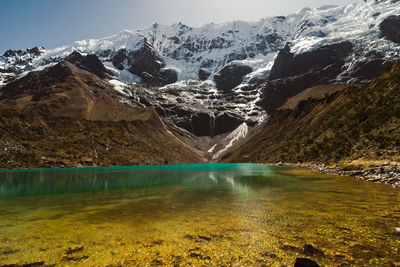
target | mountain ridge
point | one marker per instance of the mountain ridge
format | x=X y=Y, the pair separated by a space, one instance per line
x=261 y=38
x=211 y=86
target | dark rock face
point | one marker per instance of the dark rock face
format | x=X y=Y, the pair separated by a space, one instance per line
x=287 y=64
x=90 y=63
x=390 y=28
x=226 y=121
x=119 y=58
x=204 y=74
x=291 y=74
x=284 y=58
x=231 y=76
x=10 y=53
x=304 y=262
x=201 y=124
x=147 y=60
x=369 y=68
x=35 y=51
x=237 y=56
x=206 y=124
x=145 y=63
x=168 y=76
x=150 y=80
x=193 y=106
x=276 y=92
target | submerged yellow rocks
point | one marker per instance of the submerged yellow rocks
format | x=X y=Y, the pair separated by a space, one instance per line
x=260 y=220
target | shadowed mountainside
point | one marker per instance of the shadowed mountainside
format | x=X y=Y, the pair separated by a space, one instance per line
x=352 y=123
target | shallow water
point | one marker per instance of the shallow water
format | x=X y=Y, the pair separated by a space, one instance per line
x=202 y=215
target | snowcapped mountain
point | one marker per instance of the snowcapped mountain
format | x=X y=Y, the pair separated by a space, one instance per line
x=209 y=48
x=208 y=80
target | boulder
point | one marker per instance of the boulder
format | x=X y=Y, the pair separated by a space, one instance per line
x=231 y=76
x=237 y=56
x=390 y=28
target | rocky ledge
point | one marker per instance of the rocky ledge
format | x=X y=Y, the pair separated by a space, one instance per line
x=385 y=173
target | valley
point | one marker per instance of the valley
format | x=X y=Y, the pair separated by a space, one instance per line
x=273 y=142
x=302 y=88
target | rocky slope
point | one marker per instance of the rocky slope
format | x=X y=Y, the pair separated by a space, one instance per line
x=213 y=85
x=355 y=122
x=225 y=68
x=67 y=116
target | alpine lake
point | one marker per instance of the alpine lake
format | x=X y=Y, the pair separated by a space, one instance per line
x=195 y=215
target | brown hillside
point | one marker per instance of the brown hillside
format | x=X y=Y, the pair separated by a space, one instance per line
x=66 y=90
x=66 y=116
x=354 y=123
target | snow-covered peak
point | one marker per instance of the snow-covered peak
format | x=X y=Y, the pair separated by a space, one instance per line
x=210 y=47
x=358 y=23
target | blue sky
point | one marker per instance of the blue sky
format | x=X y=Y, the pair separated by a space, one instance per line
x=52 y=23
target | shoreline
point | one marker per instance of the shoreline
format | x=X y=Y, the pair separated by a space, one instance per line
x=386 y=173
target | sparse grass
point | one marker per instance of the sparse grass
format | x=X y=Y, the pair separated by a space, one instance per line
x=34 y=142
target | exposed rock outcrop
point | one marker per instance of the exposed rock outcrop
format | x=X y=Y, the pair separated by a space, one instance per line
x=34 y=52
x=121 y=57
x=276 y=92
x=231 y=76
x=204 y=74
x=390 y=28
x=196 y=107
x=373 y=64
x=146 y=59
x=90 y=63
x=168 y=75
x=287 y=64
x=292 y=74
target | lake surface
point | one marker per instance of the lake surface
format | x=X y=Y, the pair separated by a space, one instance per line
x=202 y=215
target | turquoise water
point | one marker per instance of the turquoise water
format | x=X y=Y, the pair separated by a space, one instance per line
x=196 y=215
x=73 y=180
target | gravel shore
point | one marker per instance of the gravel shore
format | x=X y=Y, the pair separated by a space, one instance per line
x=386 y=173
